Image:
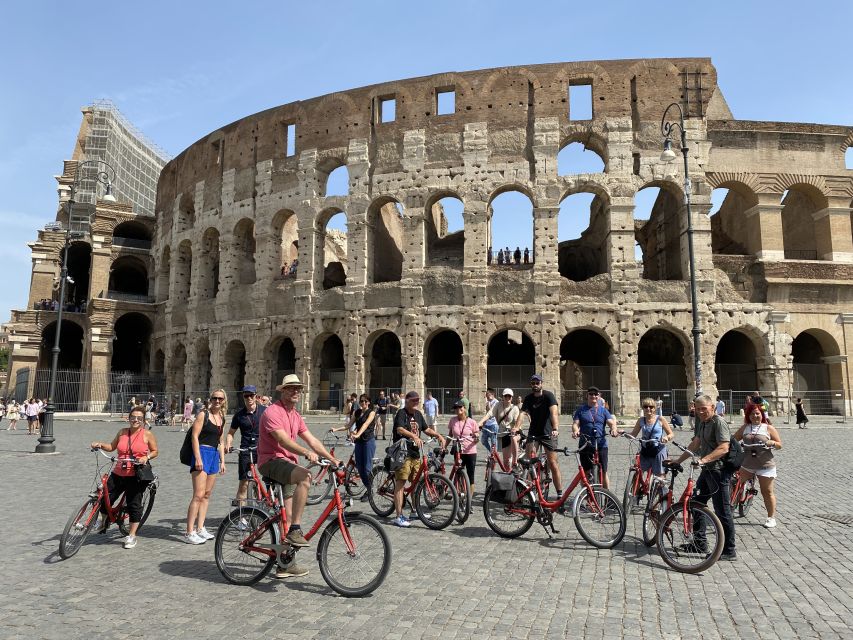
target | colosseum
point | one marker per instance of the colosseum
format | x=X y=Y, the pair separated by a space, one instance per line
x=250 y=282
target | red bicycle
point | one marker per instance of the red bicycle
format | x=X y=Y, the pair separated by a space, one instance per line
x=321 y=478
x=354 y=552
x=432 y=495
x=80 y=524
x=495 y=460
x=743 y=491
x=512 y=503
x=458 y=476
x=639 y=483
x=688 y=534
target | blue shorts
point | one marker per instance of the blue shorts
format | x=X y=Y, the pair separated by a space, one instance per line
x=209 y=460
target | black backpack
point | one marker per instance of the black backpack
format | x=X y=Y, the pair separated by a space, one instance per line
x=734 y=458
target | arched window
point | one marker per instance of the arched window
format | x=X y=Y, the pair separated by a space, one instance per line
x=582 y=232
x=445 y=233
x=386 y=255
x=729 y=230
x=131 y=344
x=735 y=363
x=285 y=239
x=584 y=363
x=334 y=178
x=511 y=229
x=330 y=372
x=575 y=158
x=799 y=204
x=658 y=228
x=128 y=278
x=208 y=279
x=183 y=272
x=386 y=364
x=443 y=367
x=79 y=269
x=333 y=250
x=243 y=252
x=511 y=360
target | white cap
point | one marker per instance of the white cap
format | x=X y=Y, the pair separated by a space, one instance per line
x=508 y=392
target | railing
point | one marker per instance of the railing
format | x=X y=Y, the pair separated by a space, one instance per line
x=129 y=297
x=571 y=399
x=800 y=254
x=132 y=243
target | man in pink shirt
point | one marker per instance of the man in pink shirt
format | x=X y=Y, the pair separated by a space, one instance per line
x=278 y=455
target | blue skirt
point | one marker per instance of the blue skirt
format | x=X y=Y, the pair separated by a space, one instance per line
x=209 y=460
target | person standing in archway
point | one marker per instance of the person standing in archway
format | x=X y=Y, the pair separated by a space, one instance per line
x=381 y=414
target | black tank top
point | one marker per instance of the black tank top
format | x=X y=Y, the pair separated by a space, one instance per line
x=210 y=433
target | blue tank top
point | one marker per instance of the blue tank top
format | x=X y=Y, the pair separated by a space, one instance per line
x=654 y=431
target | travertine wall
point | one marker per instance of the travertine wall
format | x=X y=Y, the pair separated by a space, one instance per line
x=241 y=185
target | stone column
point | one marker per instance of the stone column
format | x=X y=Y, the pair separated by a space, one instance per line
x=624 y=271
x=548 y=353
x=477 y=360
x=775 y=369
x=99 y=271
x=359 y=236
x=412 y=346
x=764 y=231
x=624 y=365
x=833 y=235
x=353 y=355
x=414 y=237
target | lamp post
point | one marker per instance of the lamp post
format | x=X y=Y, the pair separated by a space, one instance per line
x=668 y=155
x=105 y=175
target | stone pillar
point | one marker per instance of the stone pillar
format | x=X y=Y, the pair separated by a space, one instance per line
x=775 y=369
x=833 y=235
x=624 y=365
x=359 y=237
x=477 y=360
x=99 y=272
x=414 y=237
x=548 y=353
x=354 y=378
x=476 y=236
x=412 y=346
x=702 y=256
x=624 y=271
x=764 y=231
x=845 y=319
x=546 y=269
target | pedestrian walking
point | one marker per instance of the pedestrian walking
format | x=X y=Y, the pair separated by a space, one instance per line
x=802 y=419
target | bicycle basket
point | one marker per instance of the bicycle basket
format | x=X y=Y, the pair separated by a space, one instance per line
x=504 y=487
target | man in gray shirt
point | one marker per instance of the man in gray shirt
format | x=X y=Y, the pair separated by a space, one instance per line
x=711 y=442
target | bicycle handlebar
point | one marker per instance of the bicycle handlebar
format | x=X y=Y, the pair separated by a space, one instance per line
x=113 y=458
x=625 y=434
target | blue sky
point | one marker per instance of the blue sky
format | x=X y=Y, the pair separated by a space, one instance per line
x=179 y=70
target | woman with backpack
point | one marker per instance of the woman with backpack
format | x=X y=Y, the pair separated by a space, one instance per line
x=759 y=462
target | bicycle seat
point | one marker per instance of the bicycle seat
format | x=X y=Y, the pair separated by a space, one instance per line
x=673 y=466
x=269 y=481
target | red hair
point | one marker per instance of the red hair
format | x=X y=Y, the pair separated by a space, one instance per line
x=749 y=408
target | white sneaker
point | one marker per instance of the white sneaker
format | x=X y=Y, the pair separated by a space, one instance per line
x=242 y=525
x=770 y=523
x=129 y=542
x=204 y=533
x=193 y=538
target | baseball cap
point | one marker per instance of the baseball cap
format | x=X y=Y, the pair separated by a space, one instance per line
x=536 y=377
x=593 y=390
x=508 y=392
x=457 y=405
x=249 y=388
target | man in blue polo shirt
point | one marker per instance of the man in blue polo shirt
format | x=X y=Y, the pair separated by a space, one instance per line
x=590 y=420
x=247 y=420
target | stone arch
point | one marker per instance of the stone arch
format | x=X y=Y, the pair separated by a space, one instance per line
x=585 y=354
x=243 y=252
x=128 y=277
x=208 y=276
x=203 y=366
x=582 y=251
x=729 y=226
x=234 y=371
x=383 y=355
x=443 y=356
x=176 y=375
x=510 y=359
x=71 y=344
x=385 y=257
x=79 y=270
x=443 y=248
x=660 y=236
x=333 y=172
x=328 y=371
x=185 y=219
x=285 y=243
x=281 y=351
x=131 y=343
x=331 y=249
x=800 y=203
x=510 y=224
x=183 y=271
x=163 y=275
x=810 y=350
x=736 y=360
x=132 y=230
x=582 y=153
x=662 y=355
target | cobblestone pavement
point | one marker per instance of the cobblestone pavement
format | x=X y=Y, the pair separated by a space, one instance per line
x=795 y=581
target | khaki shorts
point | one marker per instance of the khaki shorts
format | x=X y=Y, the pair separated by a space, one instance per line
x=280 y=470
x=409 y=469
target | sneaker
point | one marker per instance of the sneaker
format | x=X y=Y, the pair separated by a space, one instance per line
x=292 y=570
x=243 y=525
x=193 y=538
x=204 y=533
x=731 y=555
x=402 y=521
x=296 y=539
x=770 y=523
x=129 y=542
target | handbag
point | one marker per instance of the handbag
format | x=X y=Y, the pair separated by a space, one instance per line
x=398 y=452
x=144 y=473
x=186 y=454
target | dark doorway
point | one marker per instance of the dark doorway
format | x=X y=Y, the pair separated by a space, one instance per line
x=132 y=334
x=386 y=364
x=735 y=363
x=511 y=360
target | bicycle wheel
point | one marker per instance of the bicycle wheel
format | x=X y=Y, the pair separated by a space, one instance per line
x=148 y=497
x=463 y=491
x=651 y=519
x=436 y=504
x=600 y=522
x=748 y=494
x=381 y=494
x=237 y=565
x=690 y=542
x=508 y=520
x=361 y=571
x=354 y=486
x=629 y=497
x=78 y=527
x=321 y=483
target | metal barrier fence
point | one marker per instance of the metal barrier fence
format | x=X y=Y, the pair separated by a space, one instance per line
x=78 y=390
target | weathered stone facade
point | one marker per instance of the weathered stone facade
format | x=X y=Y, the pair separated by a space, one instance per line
x=507 y=129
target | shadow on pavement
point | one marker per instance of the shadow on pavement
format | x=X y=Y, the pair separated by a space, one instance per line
x=204 y=570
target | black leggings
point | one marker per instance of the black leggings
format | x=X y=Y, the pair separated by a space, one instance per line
x=469 y=461
x=132 y=490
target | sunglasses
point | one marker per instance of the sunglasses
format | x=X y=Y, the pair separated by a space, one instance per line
x=217 y=399
x=137 y=419
x=648 y=406
x=248 y=395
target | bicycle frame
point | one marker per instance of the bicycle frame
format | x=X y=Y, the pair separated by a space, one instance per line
x=103 y=493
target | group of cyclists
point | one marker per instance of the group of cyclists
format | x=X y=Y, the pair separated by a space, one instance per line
x=275 y=436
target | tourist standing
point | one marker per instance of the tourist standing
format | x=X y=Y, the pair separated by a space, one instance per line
x=364 y=437
x=591 y=421
x=31 y=410
x=381 y=414
x=188 y=414
x=465 y=402
x=13 y=412
x=759 y=462
x=207 y=462
x=543 y=411
x=505 y=414
x=720 y=408
x=802 y=419
x=247 y=420
x=466 y=429
x=489 y=426
x=430 y=409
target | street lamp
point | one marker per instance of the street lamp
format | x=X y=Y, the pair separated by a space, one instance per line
x=105 y=175
x=668 y=155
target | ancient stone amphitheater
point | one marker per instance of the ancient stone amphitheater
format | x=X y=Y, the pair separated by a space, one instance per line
x=397 y=301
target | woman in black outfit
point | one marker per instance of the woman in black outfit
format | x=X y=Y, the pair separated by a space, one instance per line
x=364 y=438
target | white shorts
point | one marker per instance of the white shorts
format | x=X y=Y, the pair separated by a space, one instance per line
x=763 y=473
x=430 y=420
